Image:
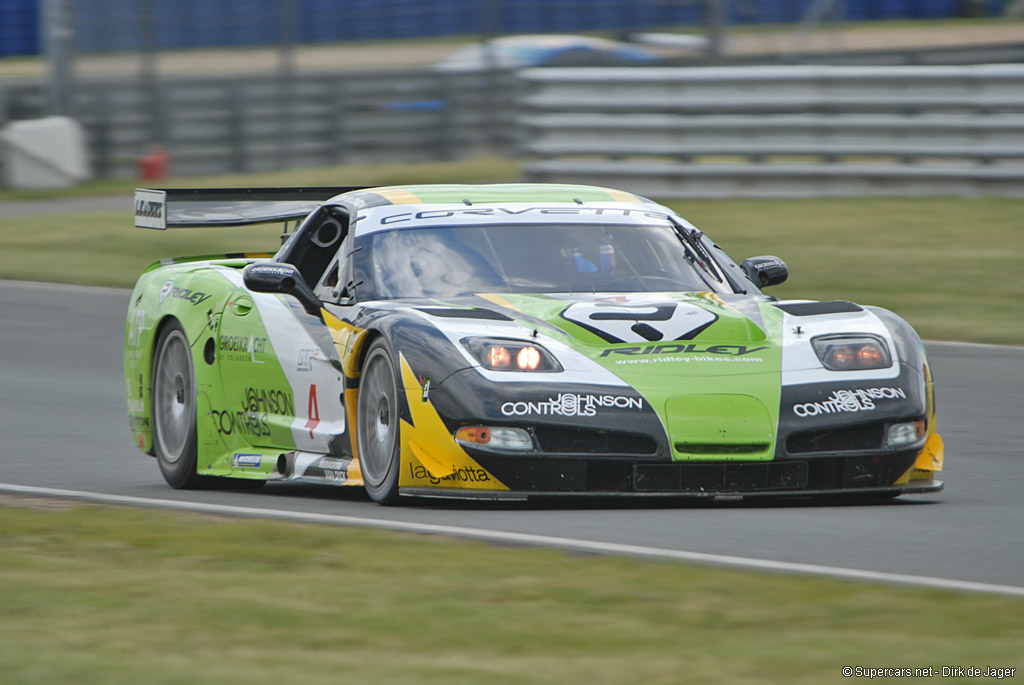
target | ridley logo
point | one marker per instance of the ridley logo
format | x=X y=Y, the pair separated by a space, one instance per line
x=571 y=404
x=683 y=348
x=169 y=290
x=849 y=401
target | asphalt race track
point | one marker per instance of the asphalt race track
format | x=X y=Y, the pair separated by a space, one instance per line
x=63 y=426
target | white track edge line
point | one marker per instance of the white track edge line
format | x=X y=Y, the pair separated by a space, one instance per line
x=609 y=548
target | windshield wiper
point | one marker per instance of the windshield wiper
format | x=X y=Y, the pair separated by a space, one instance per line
x=697 y=252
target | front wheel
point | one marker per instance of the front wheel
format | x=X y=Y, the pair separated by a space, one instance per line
x=174 y=409
x=378 y=425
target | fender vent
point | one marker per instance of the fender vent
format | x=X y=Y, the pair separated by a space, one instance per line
x=815 y=308
x=474 y=313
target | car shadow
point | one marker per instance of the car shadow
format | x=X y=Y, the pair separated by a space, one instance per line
x=310 y=491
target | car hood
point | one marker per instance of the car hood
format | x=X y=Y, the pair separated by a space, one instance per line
x=657 y=333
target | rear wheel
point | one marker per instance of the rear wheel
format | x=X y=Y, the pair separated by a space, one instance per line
x=174 y=409
x=378 y=425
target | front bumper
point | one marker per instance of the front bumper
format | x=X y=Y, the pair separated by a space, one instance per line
x=532 y=476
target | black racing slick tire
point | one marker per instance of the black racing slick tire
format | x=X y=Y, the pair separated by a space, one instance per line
x=378 y=425
x=174 y=409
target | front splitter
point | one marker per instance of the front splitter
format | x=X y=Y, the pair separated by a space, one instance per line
x=915 y=488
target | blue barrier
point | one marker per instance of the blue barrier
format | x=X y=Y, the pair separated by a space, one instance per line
x=118 y=25
x=19 y=28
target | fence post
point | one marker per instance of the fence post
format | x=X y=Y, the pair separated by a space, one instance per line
x=58 y=42
x=286 y=77
x=337 y=119
x=718 y=18
x=447 y=128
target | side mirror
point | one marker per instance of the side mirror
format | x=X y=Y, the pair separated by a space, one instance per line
x=765 y=270
x=281 y=278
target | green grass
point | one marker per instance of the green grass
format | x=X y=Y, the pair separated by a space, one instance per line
x=107 y=595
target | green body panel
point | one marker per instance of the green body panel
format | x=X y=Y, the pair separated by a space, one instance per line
x=243 y=414
x=722 y=387
x=229 y=392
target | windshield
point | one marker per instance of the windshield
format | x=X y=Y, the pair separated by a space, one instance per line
x=539 y=258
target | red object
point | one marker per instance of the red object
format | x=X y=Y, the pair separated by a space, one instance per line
x=153 y=166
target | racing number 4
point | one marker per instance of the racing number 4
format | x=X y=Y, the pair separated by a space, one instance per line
x=313 y=412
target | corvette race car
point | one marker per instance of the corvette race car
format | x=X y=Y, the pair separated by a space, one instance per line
x=508 y=341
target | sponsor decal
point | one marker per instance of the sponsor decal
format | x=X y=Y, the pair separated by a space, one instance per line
x=149 y=209
x=305 y=359
x=334 y=469
x=246 y=461
x=687 y=360
x=683 y=348
x=245 y=423
x=260 y=400
x=640 y=323
x=312 y=411
x=136 y=327
x=849 y=401
x=430 y=214
x=170 y=290
x=138 y=423
x=272 y=271
x=571 y=404
x=136 y=407
x=466 y=474
x=242 y=349
x=251 y=420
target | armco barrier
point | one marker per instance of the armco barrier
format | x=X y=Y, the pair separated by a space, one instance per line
x=779 y=131
x=257 y=123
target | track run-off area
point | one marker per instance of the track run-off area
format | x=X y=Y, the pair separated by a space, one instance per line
x=64 y=433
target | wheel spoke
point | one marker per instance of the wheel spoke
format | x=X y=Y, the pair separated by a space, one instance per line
x=174 y=398
x=378 y=419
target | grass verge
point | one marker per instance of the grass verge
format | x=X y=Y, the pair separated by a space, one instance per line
x=106 y=595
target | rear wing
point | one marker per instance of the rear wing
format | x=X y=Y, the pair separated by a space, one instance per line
x=196 y=207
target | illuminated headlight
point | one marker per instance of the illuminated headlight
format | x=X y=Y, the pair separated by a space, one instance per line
x=902 y=434
x=495 y=438
x=852 y=353
x=511 y=355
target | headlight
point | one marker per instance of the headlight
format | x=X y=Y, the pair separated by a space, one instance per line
x=496 y=437
x=511 y=355
x=852 y=352
x=903 y=434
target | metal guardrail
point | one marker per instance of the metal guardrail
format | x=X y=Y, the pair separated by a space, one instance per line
x=255 y=123
x=779 y=131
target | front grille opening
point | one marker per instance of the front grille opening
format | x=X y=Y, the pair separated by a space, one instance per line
x=852 y=438
x=583 y=441
x=721 y=448
x=721 y=477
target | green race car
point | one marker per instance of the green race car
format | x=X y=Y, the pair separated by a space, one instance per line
x=508 y=341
